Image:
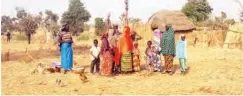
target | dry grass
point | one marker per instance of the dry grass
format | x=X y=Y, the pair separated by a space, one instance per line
x=212 y=71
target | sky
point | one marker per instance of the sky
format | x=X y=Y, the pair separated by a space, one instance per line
x=142 y=9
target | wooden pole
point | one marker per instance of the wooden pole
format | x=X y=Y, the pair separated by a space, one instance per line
x=126 y=12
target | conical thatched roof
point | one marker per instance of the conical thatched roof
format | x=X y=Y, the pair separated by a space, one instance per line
x=179 y=20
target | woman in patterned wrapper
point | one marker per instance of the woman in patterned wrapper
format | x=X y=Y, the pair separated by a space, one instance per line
x=106 y=56
x=168 y=48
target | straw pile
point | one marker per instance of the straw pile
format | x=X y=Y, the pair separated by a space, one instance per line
x=234 y=35
x=178 y=19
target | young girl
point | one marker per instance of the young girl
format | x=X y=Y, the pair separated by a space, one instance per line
x=156 y=59
x=136 y=57
x=181 y=53
x=149 y=55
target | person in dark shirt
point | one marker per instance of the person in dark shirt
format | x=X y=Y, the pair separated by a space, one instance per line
x=8 y=37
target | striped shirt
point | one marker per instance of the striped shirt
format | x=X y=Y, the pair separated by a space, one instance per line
x=65 y=37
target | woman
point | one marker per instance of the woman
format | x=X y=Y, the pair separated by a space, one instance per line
x=168 y=48
x=124 y=51
x=113 y=44
x=65 y=41
x=106 y=56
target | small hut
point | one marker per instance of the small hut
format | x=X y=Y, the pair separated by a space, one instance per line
x=179 y=21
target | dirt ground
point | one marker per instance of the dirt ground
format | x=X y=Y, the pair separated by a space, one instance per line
x=212 y=71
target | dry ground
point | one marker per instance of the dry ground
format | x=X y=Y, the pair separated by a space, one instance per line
x=212 y=71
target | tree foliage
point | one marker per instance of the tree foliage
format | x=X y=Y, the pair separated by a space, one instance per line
x=197 y=10
x=51 y=21
x=76 y=16
x=26 y=22
x=7 y=24
x=99 y=26
x=134 y=21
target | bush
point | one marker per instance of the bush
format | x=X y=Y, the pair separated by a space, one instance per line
x=83 y=37
x=99 y=26
x=19 y=37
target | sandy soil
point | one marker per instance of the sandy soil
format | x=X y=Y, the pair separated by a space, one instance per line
x=212 y=71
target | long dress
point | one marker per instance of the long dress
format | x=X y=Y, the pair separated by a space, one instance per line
x=106 y=63
x=168 y=48
x=106 y=58
x=124 y=50
x=66 y=56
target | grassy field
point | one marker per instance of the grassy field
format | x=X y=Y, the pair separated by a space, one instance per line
x=212 y=71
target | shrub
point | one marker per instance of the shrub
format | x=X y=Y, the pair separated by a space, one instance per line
x=19 y=37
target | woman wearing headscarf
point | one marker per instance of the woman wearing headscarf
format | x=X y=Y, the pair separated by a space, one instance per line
x=181 y=53
x=168 y=48
x=113 y=44
x=123 y=54
x=106 y=56
x=65 y=41
x=157 y=34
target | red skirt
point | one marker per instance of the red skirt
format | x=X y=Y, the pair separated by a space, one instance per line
x=106 y=63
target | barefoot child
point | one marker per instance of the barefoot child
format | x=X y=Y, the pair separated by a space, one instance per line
x=149 y=55
x=181 y=53
x=136 y=57
x=95 y=57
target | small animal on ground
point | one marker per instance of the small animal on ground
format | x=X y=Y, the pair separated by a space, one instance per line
x=83 y=78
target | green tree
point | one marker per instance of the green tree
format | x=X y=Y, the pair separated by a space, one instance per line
x=241 y=12
x=134 y=21
x=51 y=21
x=99 y=26
x=76 y=16
x=197 y=10
x=6 y=23
x=27 y=23
x=223 y=15
x=86 y=27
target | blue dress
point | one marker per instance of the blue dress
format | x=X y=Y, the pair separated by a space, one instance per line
x=67 y=56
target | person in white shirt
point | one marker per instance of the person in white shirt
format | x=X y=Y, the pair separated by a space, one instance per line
x=95 y=57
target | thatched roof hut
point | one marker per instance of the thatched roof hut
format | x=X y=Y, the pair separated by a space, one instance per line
x=179 y=20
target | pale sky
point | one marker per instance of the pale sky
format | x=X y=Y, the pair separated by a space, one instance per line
x=142 y=9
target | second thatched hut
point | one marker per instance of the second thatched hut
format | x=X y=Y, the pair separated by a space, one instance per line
x=179 y=21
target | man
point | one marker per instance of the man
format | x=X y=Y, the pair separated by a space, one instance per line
x=8 y=36
x=168 y=48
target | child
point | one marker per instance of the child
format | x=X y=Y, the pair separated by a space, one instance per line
x=149 y=54
x=95 y=57
x=181 y=53
x=156 y=59
x=136 y=57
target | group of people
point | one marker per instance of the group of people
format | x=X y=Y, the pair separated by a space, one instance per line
x=119 y=52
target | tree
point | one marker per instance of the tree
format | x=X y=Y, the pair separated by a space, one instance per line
x=6 y=23
x=197 y=10
x=76 y=16
x=21 y=13
x=86 y=27
x=51 y=21
x=99 y=26
x=134 y=21
x=241 y=13
x=27 y=23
